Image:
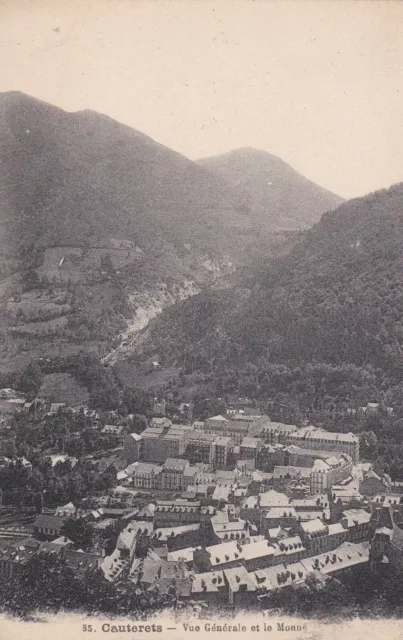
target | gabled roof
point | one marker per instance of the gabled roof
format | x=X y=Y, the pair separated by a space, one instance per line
x=163 y=533
x=313 y=527
x=239 y=579
x=135 y=436
x=273 y=499
x=175 y=464
x=281 y=512
x=260 y=549
x=209 y=582
x=225 y=552
x=356 y=516
x=346 y=555
x=49 y=522
x=372 y=474
x=281 y=576
x=182 y=554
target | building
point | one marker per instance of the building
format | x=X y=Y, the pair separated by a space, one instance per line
x=277 y=433
x=174 y=513
x=311 y=438
x=55 y=407
x=254 y=507
x=396 y=487
x=145 y=475
x=345 y=557
x=226 y=530
x=319 y=537
x=48 y=527
x=210 y=586
x=374 y=483
x=164 y=534
x=357 y=523
x=314 y=438
x=221 y=495
x=160 y=443
x=273 y=498
x=263 y=553
x=394 y=500
x=386 y=545
x=189 y=475
x=284 y=477
x=281 y=576
x=221 y=450
x=218 y=557
x=66 y=511
x=200 y=447
x=172 y=474
x=272 y=455
x=250 y=448
x=241 y=586
x=326 y=473
x=159 y=407
x=160 y=421
x=133 y=447
x=14 y=557
x=220 y=426
x=115 y=432
x=280 y=517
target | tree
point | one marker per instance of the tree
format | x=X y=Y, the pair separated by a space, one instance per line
x=31 y=379
x=45 y=583
x=38 y=502
x=78 y=531
x=368 y=445
x=143 y=545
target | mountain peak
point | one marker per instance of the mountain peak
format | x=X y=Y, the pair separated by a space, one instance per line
x=274 y=190
x=246 y=153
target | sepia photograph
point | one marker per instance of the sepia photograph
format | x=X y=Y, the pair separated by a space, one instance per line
x=201 y=319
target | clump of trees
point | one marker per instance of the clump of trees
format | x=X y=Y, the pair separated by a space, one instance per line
x=48 y=585
x=358 y=592
x=80 y=532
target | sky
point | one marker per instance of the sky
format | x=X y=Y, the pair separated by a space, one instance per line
x=317 y=83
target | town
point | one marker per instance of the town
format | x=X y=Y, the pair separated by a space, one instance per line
x=223 y=511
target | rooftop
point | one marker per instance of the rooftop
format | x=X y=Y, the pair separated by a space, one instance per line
x=49 y=522
x=239 y=579
x=175 y=464
x=346 y=555
x=281 y=576
x=250 y=443
x=222 y=441
x=273 y=499
x=209 y=582
x=226 y=552
x=281 y=512
x=315 y=433
x=182 y=554
x=163 y=533
x=313 y=527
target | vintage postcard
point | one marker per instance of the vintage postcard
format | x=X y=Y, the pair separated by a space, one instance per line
x=201 y=336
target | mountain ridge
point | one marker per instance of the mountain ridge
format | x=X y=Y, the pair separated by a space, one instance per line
x=98 y=219
x=332 y=304
x=260 y=177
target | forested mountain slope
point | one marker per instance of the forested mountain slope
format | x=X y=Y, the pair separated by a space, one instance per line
x=323 y=321
x=102 y=228
x=269 y=188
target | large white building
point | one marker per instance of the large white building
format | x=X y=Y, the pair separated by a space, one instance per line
x=314 y=438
